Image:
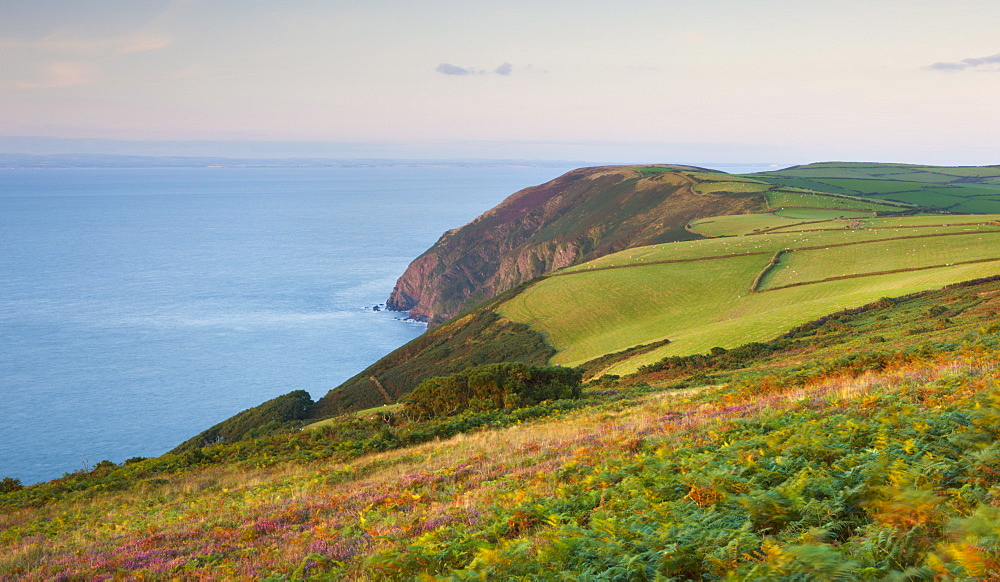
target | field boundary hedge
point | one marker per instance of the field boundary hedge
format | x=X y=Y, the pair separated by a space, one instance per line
x=876 y=273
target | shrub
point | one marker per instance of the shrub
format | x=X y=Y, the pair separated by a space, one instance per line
x=493 y=387
x=10 y=485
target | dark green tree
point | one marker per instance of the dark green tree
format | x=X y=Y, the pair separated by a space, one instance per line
x=493 y=387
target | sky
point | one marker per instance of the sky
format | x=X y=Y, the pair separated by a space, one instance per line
x=625 y=81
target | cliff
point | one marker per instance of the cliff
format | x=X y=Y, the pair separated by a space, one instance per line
x=580 y=216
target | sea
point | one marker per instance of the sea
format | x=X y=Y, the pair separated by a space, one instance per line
x=140 y=306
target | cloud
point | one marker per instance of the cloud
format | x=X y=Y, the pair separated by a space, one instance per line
x=60 y=43
x=450 y=69
x=59 y=60
x=504 y=70
x=979 y=63
x=142 y=42
x=61 y=74
x=71 y=58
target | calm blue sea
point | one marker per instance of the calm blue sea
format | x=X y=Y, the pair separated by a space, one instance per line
x=139 y=307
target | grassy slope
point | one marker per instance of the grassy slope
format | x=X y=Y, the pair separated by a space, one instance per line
x=705 y=301
x=478 y=337
x=586 y=213
x=579 y=216
x=955 y=189
x=589 y=212
x=854 y=468
x=817 y=264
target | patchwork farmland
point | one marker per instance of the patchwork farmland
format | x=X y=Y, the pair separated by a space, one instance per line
x=731 y=290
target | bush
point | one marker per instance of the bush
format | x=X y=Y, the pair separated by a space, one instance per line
x=493 y=387
x=10 y=485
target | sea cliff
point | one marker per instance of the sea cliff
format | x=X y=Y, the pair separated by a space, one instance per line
x=582 y=215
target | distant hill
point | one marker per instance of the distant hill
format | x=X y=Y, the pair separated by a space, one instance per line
x=579 y=216
x=592 y=212
x=958 y=189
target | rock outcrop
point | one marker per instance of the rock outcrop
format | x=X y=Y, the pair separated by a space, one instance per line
x=580 y=216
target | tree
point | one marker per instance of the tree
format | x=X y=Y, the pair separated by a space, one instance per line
x=10 y=485
x=493 y=387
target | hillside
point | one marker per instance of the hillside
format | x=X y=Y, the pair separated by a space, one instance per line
x=687 y=297
x=592 y=212
x=962 y=189
x=579 y=216
x=862 y=446
x=731 y=290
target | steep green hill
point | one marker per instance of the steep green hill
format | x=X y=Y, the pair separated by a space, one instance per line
x=582 y=215
x=591 y=212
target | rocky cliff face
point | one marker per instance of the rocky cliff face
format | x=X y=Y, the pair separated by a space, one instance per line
x=580 y=216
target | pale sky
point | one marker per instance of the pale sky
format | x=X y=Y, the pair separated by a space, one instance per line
x=741 y=80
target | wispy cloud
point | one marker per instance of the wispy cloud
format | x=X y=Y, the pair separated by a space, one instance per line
x=58 y=60
x=70 y=59
x=60 y=74
x=974 y=63
x=450 y=69
x=504 y=69
x=60 y=43
x=143 y=42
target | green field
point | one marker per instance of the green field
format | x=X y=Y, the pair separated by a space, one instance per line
x=978 y=205
x=930 y=220
x=590 y=314
x=930 y=198
x=795 y=198
x=810 y=225
x=949 y=188
x=820 y=213
x=698 y=294
x=769 y=243
x=802 y=266
x=789 y=209
x=731 y=186
x=740 y=224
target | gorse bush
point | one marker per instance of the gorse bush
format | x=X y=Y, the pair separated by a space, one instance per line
x=493 y=387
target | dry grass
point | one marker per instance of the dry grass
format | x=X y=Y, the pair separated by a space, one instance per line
x=390 y=498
